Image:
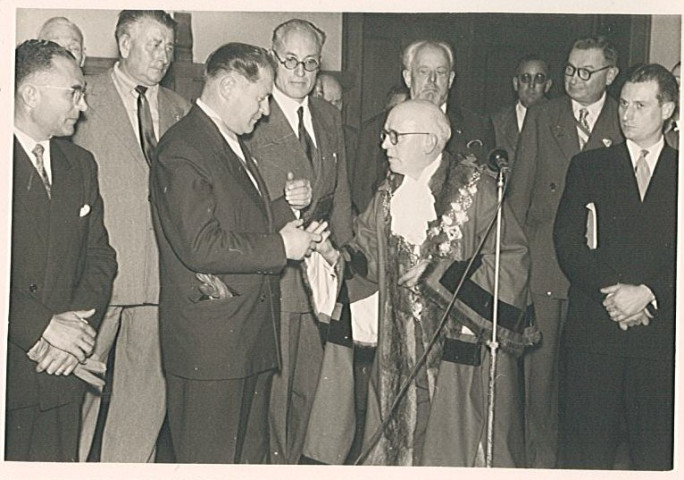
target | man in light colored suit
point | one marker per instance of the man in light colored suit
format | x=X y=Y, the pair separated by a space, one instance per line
x=531 y=83
x=302 y=135
x=553 y=133
x=129 y=110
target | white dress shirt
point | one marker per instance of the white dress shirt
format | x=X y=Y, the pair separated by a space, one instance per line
x=289 y=107
x=125 y=85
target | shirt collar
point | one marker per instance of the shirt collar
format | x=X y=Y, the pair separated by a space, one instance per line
x=429 y=171
x=594 y=109
x=287 y=104
x=520 y=111
x=127 y=84
x=653 y=152
x=28 y=143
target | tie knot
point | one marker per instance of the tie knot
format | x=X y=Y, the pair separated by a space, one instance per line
x=583 y=114
x=141 y=89
x=644 y=153
x=38 y=150
x=300 y=113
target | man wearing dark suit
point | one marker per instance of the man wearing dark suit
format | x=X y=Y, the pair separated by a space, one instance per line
x=214 y=218
x=617 y=353
x=124 y=101
x=531 y=83
x=429 y=70
x=302 y=136
x=62 y=263
x=553 y=133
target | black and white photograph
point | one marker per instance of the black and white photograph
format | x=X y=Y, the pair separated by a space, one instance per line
x=309 y=238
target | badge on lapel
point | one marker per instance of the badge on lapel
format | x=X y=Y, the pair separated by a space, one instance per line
x=607 y=142
x=85 y=210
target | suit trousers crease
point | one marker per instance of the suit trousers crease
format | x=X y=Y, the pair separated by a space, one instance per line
x=541 y=383
x=293 y=388
x=138 y=401
x=219 y=421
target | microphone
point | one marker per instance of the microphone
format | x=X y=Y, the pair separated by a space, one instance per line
x=498 y=160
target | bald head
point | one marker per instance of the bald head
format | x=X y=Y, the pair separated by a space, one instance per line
x=416 y=132
x=65 y=33
x=328 y=88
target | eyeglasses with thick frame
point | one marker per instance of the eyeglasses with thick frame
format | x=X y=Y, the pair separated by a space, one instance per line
x=537 y=79
x=291 y=63
x=583 y=73
x=78 y=92
x=393 y=135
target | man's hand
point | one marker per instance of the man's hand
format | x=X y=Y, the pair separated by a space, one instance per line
x=51 y=359
x=297 y=192
x=624 y=300
x=640 y=318
x=411 y=278
x=298 y=242
x=69 y=331
x=324 y=246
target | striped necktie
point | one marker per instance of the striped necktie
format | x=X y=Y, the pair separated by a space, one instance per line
x=40 y=166
x=583 y=129
x=304 y=138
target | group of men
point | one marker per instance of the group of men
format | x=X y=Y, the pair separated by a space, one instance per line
x=203 y=244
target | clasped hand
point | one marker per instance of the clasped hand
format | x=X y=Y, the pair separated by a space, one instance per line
x=626 y=304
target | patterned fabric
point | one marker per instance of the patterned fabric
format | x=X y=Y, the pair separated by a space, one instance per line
x=38 y=151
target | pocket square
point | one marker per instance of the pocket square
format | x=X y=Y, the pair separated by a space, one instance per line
x=85 y=210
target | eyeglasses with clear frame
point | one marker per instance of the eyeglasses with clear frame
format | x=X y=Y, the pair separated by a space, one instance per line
x=291 y=63
x=583 y=73
x=78 y=92
x=393 y=135
x=527 y=79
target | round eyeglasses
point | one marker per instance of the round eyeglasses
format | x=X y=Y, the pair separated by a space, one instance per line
x=582 y=73
x=291 y=63
x=393 y=135
x=527 y=79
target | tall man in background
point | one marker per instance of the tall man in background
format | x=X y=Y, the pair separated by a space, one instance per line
x=128 y=112
x=531 y=83
x=302 y=136
x=429 y=70
x=553 y=133
x=62 y=263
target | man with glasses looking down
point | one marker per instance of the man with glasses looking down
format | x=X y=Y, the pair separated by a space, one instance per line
x=531 y=83
x=553 y=133
x=301 y=138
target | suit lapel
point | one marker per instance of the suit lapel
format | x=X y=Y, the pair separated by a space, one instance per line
x=105 y=101
x=605 y=127
x=565 y=131
x=29 y=196
x=510 y=126
x=169 y=113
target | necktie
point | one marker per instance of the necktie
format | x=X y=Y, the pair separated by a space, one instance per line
x=643 y=173
x=148 y=141
x=304 y=138
x=40 y=166
x=583 y=129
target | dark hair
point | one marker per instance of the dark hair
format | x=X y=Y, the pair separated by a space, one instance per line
x=34 y=56
x=238 y=57
x=532 y=57
x=601 y=43
x=300 y=25
x=127 y=18
x=668 y=90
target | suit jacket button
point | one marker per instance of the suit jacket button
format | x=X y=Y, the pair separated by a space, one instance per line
x=552 y=186
x=33 y=288
x=262 y=298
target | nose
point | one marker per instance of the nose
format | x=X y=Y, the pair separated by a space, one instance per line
x=264 y=107
x=432 y=77
x=82 y=105
x=163 y=54
x=299 y=70
x=627 y=112
x=386 y=144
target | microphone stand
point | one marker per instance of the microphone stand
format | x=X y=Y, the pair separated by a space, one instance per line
x=493 y=344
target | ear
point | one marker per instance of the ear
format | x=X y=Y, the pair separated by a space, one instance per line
x=430 y=143
x=227 y=84
x=452 y=75
x=549 y=84
x=29 y=94
x=612 y=75
x=124 y=45
x=516 y=84
x=668 y=109
x=407 y=78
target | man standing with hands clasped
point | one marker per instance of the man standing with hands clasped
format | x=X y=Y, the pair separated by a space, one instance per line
x=617 y=354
